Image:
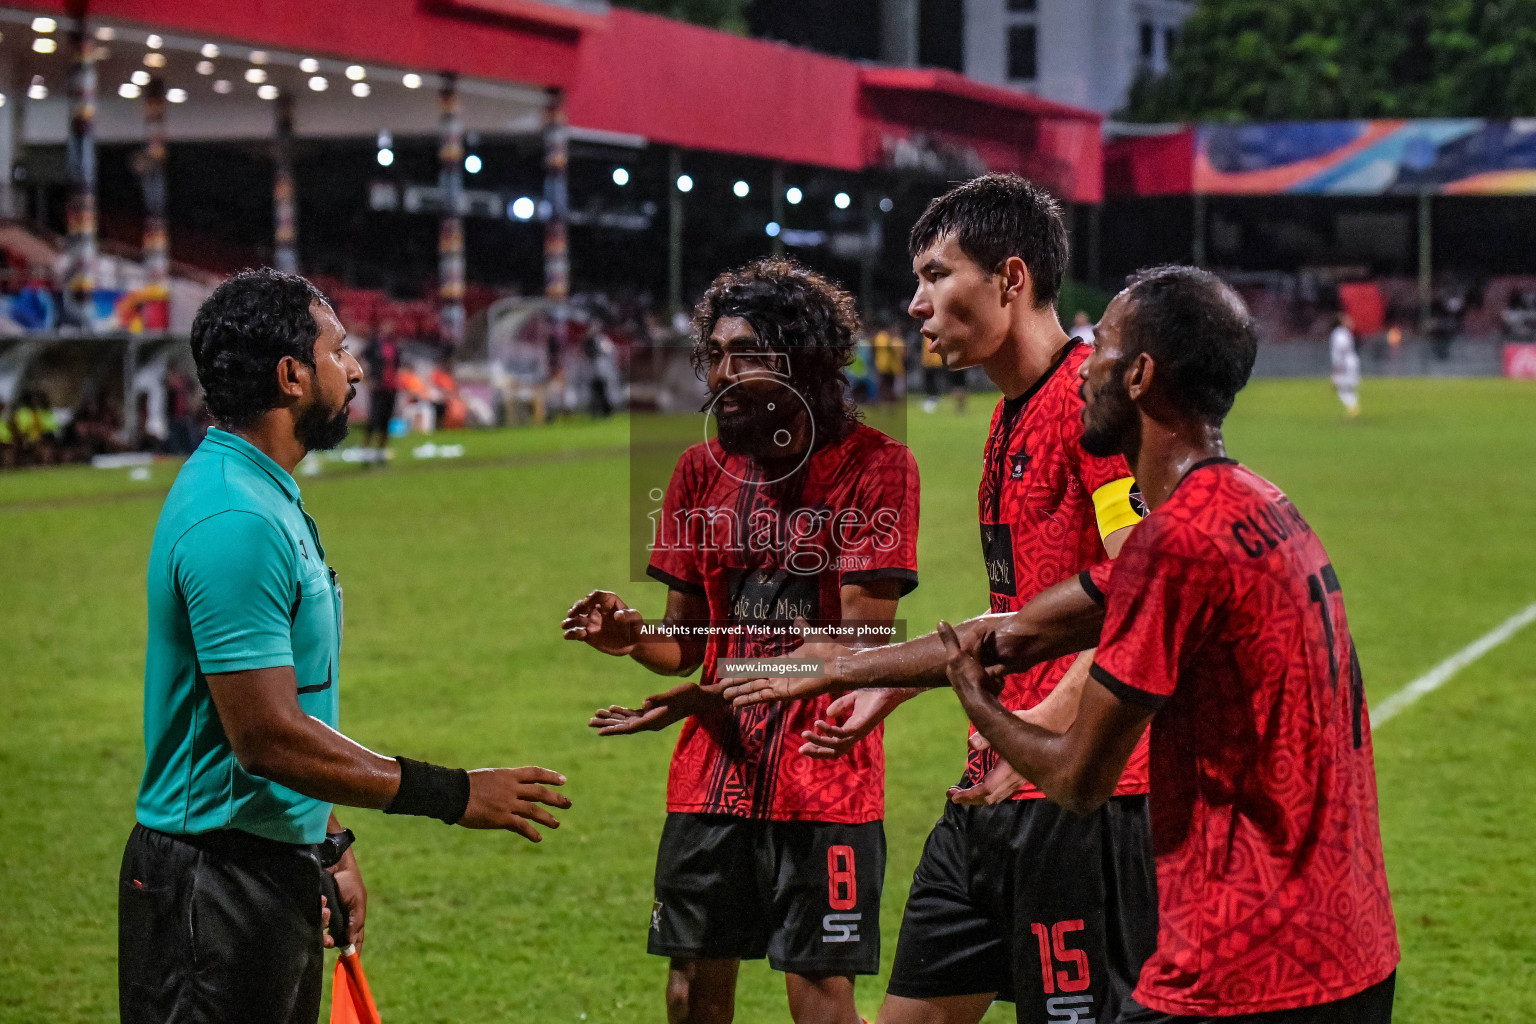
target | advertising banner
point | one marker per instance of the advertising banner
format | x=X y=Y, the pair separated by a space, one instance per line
x=1445 y=156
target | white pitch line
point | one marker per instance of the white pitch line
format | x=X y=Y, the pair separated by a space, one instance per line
x=1441 y=673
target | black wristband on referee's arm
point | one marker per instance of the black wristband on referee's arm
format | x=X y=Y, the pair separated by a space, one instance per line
x=431 y=791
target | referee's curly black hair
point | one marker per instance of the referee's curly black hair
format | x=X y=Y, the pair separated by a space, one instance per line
x=796 y=310
x=242 y=331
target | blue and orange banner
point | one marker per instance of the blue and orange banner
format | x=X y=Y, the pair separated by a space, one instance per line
x=1447 y=156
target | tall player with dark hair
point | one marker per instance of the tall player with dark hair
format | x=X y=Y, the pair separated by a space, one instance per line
x=1222 y=624
x=1015 y=898
x=795 y=511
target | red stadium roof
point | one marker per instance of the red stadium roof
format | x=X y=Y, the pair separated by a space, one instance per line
x=672 y=83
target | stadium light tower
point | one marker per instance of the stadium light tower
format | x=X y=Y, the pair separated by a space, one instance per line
x=842 y=200
x=621 y=176
x=742 y=189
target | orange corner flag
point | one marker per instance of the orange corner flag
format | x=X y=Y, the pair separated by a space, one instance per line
x=351 y=1002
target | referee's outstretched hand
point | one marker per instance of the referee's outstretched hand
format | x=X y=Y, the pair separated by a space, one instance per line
x=509 y=798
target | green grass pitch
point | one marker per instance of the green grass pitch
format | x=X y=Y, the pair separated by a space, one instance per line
x=457 y=574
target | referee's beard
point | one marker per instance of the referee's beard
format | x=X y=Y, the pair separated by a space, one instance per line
x=319 y=428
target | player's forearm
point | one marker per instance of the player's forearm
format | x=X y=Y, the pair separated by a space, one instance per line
x=1041 y=756
x=311 y=758
x=667 y=656
x=1059 y=621
x=917 y=664
x=1059 y=708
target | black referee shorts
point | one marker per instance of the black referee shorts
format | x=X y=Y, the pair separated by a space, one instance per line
x=1369 y=1006
x=805 y=894
x=219 y=927
x=1053 y=912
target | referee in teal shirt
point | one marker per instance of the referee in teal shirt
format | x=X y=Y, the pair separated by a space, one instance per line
x=220 y=915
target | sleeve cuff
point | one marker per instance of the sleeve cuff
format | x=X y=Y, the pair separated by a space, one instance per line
x=1091 y=588
x=676 y=583
x=245 y=662
x=908 y=578
x=1125 y=692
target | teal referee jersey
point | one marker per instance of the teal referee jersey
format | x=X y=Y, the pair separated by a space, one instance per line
x=237 y=581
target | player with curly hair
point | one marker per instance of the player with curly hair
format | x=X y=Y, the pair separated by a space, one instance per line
x=794 y=511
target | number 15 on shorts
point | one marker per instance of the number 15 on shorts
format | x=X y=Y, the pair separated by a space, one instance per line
x=842 y=894
x=1063 y=969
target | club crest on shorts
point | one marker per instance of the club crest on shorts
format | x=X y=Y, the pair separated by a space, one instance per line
x=656 y=915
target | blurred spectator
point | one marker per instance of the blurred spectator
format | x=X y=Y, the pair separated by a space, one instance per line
x=1082 y=327
x=383 y=365
x=1519 y=314
x=861 y=373
x=94 y=428
x=890 y=362
x=149 y=440
x=446 y=401
x=1345 y=363
x=936 y=380
x=417 y=410
x=1446 y=309
x=602 y=366
x=180 y=414
x=933 y=379
x=7 y=440
x=37 y=430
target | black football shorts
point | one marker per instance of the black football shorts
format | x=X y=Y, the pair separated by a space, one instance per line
x=805 y=894
x=1054 y=912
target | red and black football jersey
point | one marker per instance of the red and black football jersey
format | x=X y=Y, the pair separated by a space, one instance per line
x=764 y=553
x=1040 y=524
x=1225 y=615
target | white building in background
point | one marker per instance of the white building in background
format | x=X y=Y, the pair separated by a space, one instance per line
x=1082 y=52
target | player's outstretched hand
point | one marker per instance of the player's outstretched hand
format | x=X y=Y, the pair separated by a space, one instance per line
x=617 y=720
x=658 y=711
x=510 y=798
x=743 y=692
x=848 y=719
x=603 y=621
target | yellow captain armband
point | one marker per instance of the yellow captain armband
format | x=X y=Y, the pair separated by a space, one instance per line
x=1112 y=505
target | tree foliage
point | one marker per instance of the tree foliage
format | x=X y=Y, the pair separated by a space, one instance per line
x=729 y=15
x=1315 y=59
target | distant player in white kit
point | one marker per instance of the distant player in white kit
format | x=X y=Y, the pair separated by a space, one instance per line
x=1346 y=364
